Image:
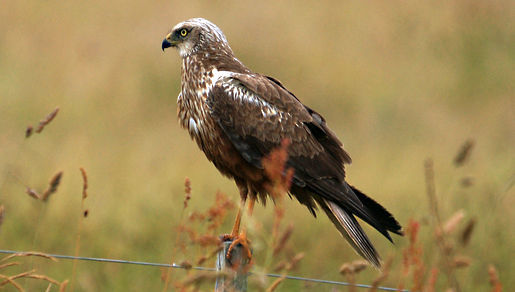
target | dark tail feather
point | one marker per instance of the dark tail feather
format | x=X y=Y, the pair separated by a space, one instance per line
x=379 y=213
x=351 y=231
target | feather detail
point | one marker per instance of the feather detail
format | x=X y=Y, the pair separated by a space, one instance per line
x=352 y=232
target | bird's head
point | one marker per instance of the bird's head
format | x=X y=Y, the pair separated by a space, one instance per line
x=194 y=35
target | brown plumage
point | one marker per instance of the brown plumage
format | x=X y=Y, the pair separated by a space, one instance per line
x=237 y=117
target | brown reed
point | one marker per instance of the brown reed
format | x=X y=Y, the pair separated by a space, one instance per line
x=84 y=183
x=43 y=123
x=431 y=282
x=84 y=214
x=9 y=265
x=464 y=153
x=383 y=276
x=466 y=234
x=29 y=254
x=52 y=187
x=62 y=287
x=441 y=241
x=450 y=225
x=33 y=193
x=28 y=131
x=2 y=213
x=12 y=282
x=494 y=279
x=283 y=239
x=288 y=266
x=214 y=215
x=26 y=274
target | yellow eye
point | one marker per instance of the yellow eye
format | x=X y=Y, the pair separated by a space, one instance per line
x=184 y=32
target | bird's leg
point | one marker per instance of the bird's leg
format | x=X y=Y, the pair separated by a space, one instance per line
x=236 y=227
x=237 y=222
x=242 y=238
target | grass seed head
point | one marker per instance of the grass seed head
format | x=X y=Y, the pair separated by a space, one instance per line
x=28 y=131
x=450 y=225
x=464 y=153
x=494 y=279
x=47 y=120
x=466 y=234
x=52 y=188
x=33 y=193
x=84 y=183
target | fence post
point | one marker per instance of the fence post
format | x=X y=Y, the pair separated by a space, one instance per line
x=232 y=277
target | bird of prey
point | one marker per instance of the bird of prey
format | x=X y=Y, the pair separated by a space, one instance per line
x=237 y=117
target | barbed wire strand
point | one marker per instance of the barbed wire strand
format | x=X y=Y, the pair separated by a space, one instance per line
x=176 y=266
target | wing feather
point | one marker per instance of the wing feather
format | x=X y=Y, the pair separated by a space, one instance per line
x=256 y=113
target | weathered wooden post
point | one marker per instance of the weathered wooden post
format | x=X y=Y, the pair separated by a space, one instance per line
x=233 y=271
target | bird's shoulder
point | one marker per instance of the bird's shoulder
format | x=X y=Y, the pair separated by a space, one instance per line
x=261 y=106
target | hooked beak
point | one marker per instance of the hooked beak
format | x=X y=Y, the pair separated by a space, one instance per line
x=167 y=42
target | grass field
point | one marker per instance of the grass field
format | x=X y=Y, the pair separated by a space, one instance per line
x=399 y=82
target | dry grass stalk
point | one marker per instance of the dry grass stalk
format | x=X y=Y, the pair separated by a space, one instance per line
x=187 y=191
x=28 y=131
x=43 y=277
x=84 y=183
x=347 y=269
x=2 y=266
x=431 y=282
x=354 y=267
x=283 y=239
x=2 y=212
x=280 y=266
x=14 y=277
x=461 y=262
x=464 y=153
x=210 y=255
x=48 y=287
x=33 y=193
x=52 y=188
x=63 y=285
x=29 y=254
x=440 y=238
x=27 y=274
x=384 y=275
x=84 y=214
x=275 y=284
x=216 y=214
x=12 y=282
x=450 y=225
x=412 y=256
x=214 y=218
x=294 y=262
x=47 y=120
x=466 y=234
x=288 y=266
x=197 y=279
x=494 y=279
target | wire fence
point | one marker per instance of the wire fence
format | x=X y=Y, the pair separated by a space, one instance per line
x=176 y=266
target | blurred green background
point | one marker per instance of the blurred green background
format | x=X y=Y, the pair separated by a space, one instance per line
x=398 y=81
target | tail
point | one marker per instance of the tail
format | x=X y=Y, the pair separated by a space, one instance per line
x=342 y=216
x=352 y=232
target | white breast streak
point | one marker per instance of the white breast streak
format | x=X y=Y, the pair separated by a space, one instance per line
x=194 y=123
